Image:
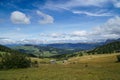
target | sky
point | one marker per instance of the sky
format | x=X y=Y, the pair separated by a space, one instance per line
x=58 y=21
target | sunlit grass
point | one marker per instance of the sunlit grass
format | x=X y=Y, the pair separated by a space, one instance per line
x=94 y=67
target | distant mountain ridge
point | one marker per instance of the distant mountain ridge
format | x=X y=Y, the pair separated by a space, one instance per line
x=70 y=46
x=82 y=46
x=49 y=50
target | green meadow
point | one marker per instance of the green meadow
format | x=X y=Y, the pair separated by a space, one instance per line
x=91 y=67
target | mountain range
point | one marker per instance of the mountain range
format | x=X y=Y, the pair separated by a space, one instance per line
x=49 y=50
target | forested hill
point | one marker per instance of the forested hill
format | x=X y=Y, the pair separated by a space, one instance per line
x=107 y=48
x=4 y=48
x=7 y=50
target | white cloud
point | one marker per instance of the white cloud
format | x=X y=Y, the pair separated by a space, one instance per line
x=92 y=14
x=74 y=5
x=30 y=41
x=116 y=3
x=46 y=19
x=18 y=17
x=54 y=35
x=79 y=33
x=109 y=36
x=6 y=41
x=69 y=4
x=110 y=29
x=57 y=35
x=111 y=26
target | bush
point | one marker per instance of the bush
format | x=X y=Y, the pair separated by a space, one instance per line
x=15 y=61
x=1 y=67
x=35 y=64
x=118 y=58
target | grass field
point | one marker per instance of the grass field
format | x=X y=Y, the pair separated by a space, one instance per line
x=93 y=67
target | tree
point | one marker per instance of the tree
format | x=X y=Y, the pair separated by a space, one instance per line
x=15 y=60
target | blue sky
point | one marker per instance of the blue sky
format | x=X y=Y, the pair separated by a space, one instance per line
x=58 y=21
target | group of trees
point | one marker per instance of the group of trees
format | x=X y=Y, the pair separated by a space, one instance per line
x=108 y=48
x=13 y=59
x=67 y=56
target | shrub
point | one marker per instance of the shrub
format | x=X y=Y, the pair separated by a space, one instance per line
x=15 y=60
x=1 y=66
x=35 y=64
x=118 y=58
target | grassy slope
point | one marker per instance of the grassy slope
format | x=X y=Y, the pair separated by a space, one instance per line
x=96 y=67
x=34 y=50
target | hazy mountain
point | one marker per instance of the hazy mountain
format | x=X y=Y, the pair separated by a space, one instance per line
x=83 y=46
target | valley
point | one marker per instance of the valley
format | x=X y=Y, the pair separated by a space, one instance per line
x=65 y=64
x=59 y=39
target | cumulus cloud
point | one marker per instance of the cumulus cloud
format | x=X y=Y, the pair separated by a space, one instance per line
x=18 y=17
x=111 y=26
x=79 y=33
x=46 y=19
x=109 y=30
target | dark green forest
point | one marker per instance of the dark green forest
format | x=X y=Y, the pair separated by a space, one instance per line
x=112 y=47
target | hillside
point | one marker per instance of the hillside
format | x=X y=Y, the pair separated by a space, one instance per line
x=4 y=49
x=43 y=51
x=92 y=67
x=111 y=40
x=107 y=48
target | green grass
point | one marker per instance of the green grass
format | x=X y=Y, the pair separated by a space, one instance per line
x=35 y=51
x=2 y=52
x=97 y=67
x=28 y=48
